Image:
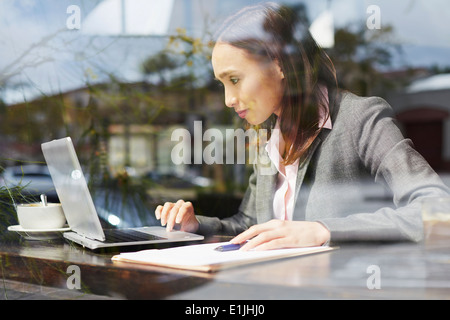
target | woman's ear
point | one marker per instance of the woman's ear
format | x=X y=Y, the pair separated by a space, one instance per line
x=279 y=69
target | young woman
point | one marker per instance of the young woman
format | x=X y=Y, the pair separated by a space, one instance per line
x=274 y=74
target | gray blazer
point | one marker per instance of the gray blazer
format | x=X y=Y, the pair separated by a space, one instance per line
x=364 y=147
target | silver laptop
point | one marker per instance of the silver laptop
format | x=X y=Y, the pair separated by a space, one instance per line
x=79 y=209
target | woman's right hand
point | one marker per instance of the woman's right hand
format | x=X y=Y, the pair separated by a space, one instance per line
x=181 y=213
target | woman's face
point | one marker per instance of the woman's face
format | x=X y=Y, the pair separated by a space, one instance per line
x=254 y=88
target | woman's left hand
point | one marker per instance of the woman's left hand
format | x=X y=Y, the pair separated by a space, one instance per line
x=277 y=234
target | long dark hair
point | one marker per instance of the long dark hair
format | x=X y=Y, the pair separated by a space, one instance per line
x=273 y=32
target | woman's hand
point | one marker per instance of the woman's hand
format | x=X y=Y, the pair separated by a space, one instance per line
x=276 y=234
x=180 y=212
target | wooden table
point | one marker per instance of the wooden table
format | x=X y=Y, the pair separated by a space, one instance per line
x=354 y=271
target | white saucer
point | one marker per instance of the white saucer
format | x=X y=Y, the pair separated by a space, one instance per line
x=38 y=234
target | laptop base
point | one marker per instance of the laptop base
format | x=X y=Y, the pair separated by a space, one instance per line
x=162 y=237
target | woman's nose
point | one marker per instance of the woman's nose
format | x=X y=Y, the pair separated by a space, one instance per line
x=231 y=100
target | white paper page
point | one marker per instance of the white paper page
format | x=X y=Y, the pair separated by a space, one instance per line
x=204 y=254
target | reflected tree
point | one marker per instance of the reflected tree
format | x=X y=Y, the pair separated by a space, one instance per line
x=360 y=57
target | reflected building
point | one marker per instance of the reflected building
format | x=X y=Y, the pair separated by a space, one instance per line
x=423 y=111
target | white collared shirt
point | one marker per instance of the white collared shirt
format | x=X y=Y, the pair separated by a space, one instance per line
x=283 y=202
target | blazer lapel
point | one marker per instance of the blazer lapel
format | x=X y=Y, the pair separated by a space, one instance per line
x=266 y=184
x=299 y=208
x=265 y=188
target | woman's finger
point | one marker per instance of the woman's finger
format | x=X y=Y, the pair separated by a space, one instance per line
x=244 y=236
x=263 y=237
x=184 y=211
x=253 y=231
x=173 y=213
x=165 y=212
x=158 y=212
x=277 y=243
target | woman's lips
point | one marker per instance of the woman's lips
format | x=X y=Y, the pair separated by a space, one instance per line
x=242 y=113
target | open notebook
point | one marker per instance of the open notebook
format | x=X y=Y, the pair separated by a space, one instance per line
x=203 y=257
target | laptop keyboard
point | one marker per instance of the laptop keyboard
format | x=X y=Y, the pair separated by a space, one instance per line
x=128 y=235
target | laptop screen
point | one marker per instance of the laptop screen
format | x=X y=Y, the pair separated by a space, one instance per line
x=72 y=188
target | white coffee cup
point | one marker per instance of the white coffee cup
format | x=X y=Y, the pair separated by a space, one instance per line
x=40 y=216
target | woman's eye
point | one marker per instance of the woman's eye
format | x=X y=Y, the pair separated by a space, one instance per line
x=234 y=80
